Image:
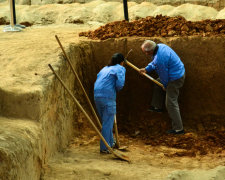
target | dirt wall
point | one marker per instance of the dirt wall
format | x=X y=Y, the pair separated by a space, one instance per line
x=21 y=152
x=201 y=99
x=98 y=13
x=27 y=143
x=218 y=4
x=28 y=138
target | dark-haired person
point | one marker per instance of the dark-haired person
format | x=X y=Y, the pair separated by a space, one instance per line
x=109 y=81
x=171 y=73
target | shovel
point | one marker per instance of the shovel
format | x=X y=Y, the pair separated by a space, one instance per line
x=117 y=146
x=137 y=69
x=87 y=98
x=116 y=153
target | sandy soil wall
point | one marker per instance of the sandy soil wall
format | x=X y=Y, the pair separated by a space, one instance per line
x=202 y=97
x=49 y=119
x=21 y=152
x=100 y=12
x=37 y=127
x=218 y=4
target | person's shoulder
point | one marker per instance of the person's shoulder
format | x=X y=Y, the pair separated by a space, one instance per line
x=104 y=68
x=161 y=45
x=118 y=68
x=121 y=67
x=164 y=48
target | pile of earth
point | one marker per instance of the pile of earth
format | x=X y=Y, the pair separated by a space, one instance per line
x=193 y=143
x=190 y=144
x=159 y=26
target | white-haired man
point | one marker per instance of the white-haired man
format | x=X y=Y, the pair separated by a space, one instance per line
x=171 y=73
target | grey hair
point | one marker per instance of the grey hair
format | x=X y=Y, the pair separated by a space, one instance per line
x=148 y=45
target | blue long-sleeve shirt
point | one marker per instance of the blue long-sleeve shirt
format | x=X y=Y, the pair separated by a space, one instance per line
x=109 y=80
x=167 y=64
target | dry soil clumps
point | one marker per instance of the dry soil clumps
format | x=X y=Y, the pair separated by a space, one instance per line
x=158 y=26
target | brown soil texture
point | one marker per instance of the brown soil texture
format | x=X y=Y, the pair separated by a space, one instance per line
x=191 y=144
x=152 y=127
x=159 y=26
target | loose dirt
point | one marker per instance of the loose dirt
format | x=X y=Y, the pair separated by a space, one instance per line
x=159 y=26
x=83 y=161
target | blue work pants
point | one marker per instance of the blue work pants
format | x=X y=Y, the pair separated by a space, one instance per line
x=106 y=109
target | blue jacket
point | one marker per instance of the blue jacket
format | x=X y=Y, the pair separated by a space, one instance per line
x=167 y=64
x=109 y=80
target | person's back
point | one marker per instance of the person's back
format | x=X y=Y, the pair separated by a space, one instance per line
x=169 y=63
x=109 y=80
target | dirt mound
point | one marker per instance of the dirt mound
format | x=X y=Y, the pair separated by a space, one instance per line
x=191 y=144
x=158 y=26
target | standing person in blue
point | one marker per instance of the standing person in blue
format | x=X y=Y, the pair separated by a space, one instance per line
x=109 y=81
x=171 y=73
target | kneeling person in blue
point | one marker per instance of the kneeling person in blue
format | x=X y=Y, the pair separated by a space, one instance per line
x=109 y=81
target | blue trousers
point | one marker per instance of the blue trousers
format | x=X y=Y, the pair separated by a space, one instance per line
x=106 y=109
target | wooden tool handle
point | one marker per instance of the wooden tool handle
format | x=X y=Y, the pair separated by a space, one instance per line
x=116 y=133
x=79 y=81
x=146 y=75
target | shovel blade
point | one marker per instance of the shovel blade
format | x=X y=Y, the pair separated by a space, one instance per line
x=123 y=148
x=121 y=156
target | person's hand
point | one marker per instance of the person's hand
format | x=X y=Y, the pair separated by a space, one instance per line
x=142 y=71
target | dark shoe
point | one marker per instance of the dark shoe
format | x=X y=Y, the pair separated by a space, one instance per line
x=155 y=109
x=171 y=131
x=104 y=152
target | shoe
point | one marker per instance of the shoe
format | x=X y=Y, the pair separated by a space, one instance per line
x=105 y=152
x=171 y=131
x=114 y=144
x=155 y=109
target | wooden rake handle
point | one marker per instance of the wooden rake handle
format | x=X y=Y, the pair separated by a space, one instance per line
x=82 y=87
x=116 y=133
x=121 y=156
x=146 y=75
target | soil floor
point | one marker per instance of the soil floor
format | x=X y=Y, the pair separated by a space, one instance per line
x=82 y=160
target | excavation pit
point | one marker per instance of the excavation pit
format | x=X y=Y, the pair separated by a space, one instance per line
x=43 y=134
x=51 y=119
x=201 y=99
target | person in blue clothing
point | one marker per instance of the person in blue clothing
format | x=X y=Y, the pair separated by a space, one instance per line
x=171 y=73
x=109 y=81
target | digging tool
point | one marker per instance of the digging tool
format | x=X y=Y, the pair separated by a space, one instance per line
x=146 y=75
x=116 y=133
x=117 y=137
x=128 y=53
x=117 y=154
x=116 y=128
x=12 y=27
x=82 y=87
